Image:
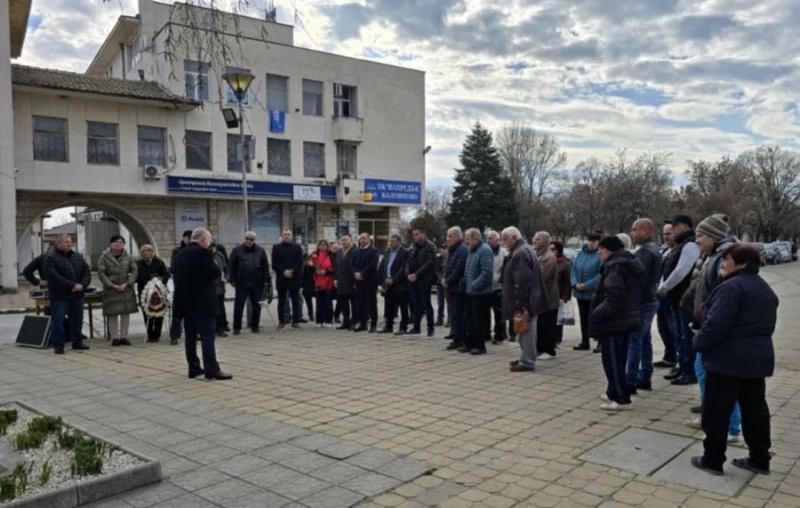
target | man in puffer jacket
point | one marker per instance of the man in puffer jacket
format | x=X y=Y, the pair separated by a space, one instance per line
x=615 y=315
x=479 y=289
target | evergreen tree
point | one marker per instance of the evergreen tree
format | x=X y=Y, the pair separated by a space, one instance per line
x=483 y=196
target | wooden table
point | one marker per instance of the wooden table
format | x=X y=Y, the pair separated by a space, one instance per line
x=91 y=300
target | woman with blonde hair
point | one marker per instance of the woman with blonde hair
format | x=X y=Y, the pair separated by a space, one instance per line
x=117 y=271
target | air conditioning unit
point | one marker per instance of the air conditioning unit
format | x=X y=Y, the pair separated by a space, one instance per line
x=151 y=173
x=351 y=191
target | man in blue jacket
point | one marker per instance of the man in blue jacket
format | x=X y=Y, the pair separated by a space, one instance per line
x=452 y=281
x=585 y=278
x=364 y=265
x=479 y=288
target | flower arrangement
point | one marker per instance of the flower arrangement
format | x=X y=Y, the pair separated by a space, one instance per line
x=155 y=299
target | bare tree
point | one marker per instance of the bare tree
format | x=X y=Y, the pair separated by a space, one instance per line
x=532 y=160
x=773 y=180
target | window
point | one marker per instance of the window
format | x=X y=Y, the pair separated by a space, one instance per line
x=50 y=139
x=133 y=51
x=344 y=100
x=312 y=97
x=198 y=150
x=152 y=146
x=313 y=160
x=303 y=223
x=230 y=96
x=279 y=159
x=277 y=93
x=234 y=164
x=103 y=143
x=346 y=161
x=195 y=74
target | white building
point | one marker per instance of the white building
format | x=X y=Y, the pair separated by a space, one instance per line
x=339 y=142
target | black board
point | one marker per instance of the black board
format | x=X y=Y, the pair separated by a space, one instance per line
x=34 y=332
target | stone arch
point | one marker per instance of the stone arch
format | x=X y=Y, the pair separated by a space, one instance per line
x=31 y=210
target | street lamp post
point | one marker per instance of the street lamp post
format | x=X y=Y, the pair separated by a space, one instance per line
x=239 y=82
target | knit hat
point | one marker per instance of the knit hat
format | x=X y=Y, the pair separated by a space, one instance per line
x=612 y=243
x=715 y=227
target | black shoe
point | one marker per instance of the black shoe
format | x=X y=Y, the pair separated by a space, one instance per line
x=59 y=351
x=255 y=330
x=386 y=329
x=413 y=333
x=684 y=380
x=632 y=390
x=80 y=346
x=700 y=463
x=220 y=376
x=152 y=339
x=373 y=329
x=664 y=365
x=431 y=334
x=337 y=321
x=675 y=374
x=696 y=410
x=582 y=347
x=114 y=343
x=222 y=334
x=644 y=385
x=440 y=322
x=513 y=339
x=193 y=373
x=463 y=349
x=303 y=321
x=449 y=336
x=173 y=342
x=84 y=337
x=237 y=332
x=746 y=463
x=343 y=327
x=227 y=328
x=597 y=350
x=453 y=346
x=476 y=352
x=124 y=342
x=359 y=328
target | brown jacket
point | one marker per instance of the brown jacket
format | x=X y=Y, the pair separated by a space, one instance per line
x=523 y=286
x=549 y=265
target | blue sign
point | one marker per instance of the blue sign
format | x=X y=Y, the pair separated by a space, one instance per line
x=392 y=192
x=222 y=186
x=277 y=121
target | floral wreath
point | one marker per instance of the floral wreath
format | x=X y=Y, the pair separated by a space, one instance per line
x=155 y=299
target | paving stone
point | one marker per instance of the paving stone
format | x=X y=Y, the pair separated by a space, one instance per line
x=271 y=475
x=259 y=499
x=240 y=464
x=334 y=497
x=153 y=494
x=199 y=479
x=637 y=450
x=186 y=501
x=371 y=484
x=279 y=452
x=680 y=471
x=342 y=450
x=338 y=473
x=226 y=491
x=114 y=502
x=403 y=469
x=371 y=459
x=299 y=487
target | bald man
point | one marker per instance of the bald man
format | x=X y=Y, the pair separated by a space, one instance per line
x=640 y=349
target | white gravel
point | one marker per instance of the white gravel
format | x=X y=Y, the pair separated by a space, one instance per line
x=60 y=459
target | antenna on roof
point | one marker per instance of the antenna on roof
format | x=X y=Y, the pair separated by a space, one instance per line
x=270 y=12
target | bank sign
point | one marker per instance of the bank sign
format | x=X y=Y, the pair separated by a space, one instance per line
x=255 y=188
x=392 y=192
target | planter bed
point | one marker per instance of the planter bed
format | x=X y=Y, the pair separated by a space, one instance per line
x=72 y=455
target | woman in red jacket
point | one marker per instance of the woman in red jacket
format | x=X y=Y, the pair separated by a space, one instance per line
x=322 y=263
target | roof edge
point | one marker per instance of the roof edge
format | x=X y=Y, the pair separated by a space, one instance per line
x=105 y=46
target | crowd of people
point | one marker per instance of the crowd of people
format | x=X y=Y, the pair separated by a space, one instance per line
x=714 y=313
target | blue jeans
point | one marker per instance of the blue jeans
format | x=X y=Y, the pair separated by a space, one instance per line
x=60 y=309
x=666 y=329
x=735 y=425
x=684 y=334
x=640 y=347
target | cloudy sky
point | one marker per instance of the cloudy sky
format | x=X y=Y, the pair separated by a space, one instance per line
x=697 y=78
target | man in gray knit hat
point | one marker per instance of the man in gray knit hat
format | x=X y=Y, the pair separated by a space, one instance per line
x=713 y=237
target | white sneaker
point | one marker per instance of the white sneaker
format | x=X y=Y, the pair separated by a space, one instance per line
x=696 y=423
x=614 y=407
x=327 y=325
x=734 y=439
x=318 y=325
x=544 y=356
x=604 y=397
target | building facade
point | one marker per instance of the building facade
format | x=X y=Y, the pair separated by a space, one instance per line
x=337 y=144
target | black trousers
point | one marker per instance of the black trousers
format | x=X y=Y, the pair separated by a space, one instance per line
x=497 y=309
x=222 y=317
x=154 y=326
x=243 y=293
x=366 y=305
x=614 y=350
x=201 y=327
x=324 y=307
x=309 y=299
x=284 y=294
x=395 y=300
x=584 y=306
x=546 y=332
x=479 y=325
x=344 y=305
x=421 y=304
x=722 y=392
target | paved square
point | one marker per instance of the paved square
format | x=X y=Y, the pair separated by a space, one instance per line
x=320 y=418
x=638 y=451
x=678 y=471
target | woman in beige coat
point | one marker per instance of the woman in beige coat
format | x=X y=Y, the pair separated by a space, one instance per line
x=117 y=271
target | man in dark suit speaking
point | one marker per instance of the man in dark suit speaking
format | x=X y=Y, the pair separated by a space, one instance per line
x=196 y=303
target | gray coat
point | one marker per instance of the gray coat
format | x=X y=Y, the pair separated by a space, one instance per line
x=113 y=271
x=342 y=273
x=523 y=286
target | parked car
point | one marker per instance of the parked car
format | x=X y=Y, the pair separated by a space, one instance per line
x=784 y=253
x=570 y=253
x=790 y=246
x=770 y=253
x=762 y=253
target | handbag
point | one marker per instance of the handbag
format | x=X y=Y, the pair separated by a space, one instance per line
x=566 y=314
x=522 y=322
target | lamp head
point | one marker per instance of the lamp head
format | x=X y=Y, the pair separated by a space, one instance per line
x=239 y=81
